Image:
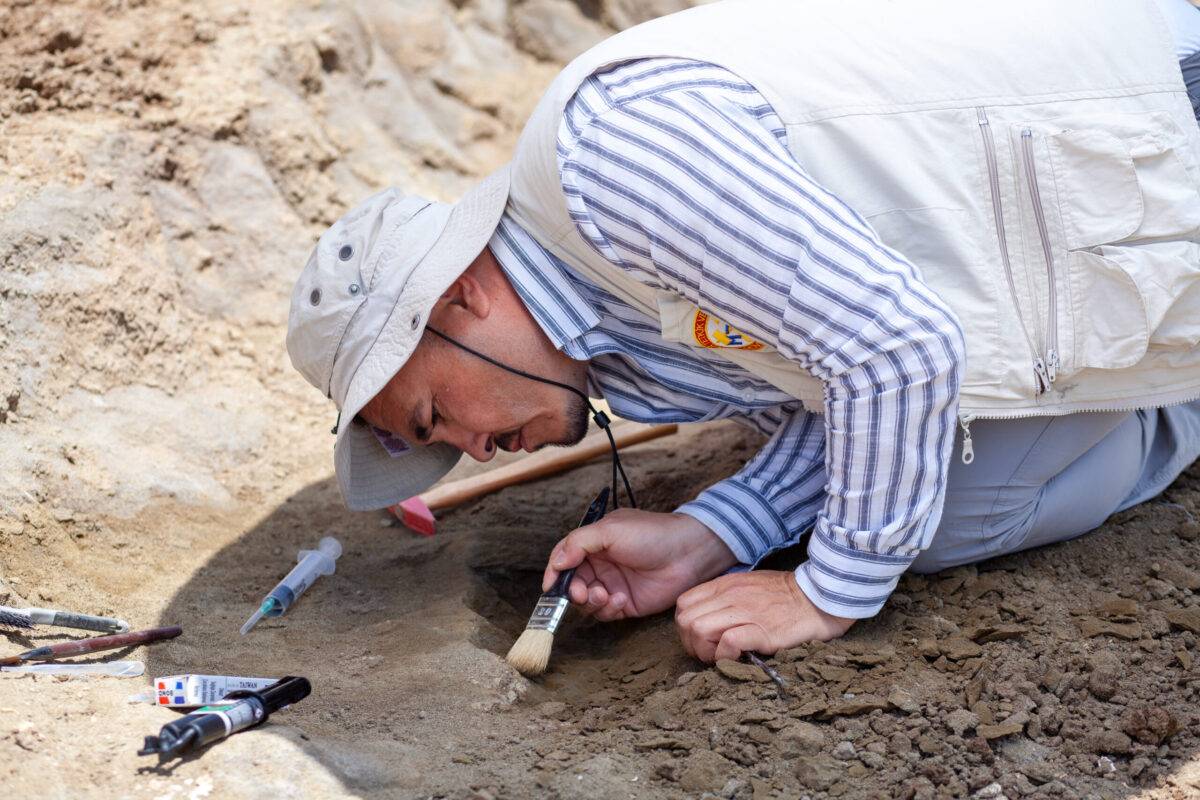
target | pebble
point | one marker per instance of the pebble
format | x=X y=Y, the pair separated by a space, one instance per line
x=1091 y=627
x=737 y=671
x=992 y=790
x=999 y=730
x=1105 y=741
x=844 y=751
x=1187 y=619
x=903 y=700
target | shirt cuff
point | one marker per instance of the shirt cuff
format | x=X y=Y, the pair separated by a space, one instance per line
x=743 y=519
x=848 y=583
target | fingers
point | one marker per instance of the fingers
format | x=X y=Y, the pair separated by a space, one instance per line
x=572 y=549
x=735 y=641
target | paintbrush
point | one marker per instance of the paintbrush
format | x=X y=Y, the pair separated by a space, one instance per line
x=531 y=653
x=11 y=618
x=93 y=645
x=28 y=617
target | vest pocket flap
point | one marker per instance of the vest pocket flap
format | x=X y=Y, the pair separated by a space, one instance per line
x=1098 y=193
x=1111 y=330
x=1167 y=275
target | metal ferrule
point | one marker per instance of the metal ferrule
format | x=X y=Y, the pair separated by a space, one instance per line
x=548 y=613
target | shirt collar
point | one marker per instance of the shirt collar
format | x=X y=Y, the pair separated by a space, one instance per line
x=543 y=283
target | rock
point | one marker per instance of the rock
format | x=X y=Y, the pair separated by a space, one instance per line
x=703 y=771
x=999 y=730
x=1105 y=741
x=554 y=710
x=1179 y=576
x=862 y=704
x=899 y=744
x=1091 y=627
x=819 y=772
x=662 y=743
x=800 y=739
x=997 y=633
x=737 y=671
x=834 y=674
x=928 y=647
x=1150 y=724
x=554 y=30
x=1187 y=619
x=844 y=751
x=958 y=648
x=1120 y=608
x=867 y=656
x=960 y=721
x=903 y=700
x=1104 y=683
x=931 y=745
x=621 y=14
x=990 y=792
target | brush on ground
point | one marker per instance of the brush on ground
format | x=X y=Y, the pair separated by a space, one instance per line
x=531 y=653
x=14 y=619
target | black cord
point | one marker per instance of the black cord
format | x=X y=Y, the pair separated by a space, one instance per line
x=599 y=417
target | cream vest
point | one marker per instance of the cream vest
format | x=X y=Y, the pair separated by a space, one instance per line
x=1038 y=162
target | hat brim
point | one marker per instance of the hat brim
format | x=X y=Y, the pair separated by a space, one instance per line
x=368 y=476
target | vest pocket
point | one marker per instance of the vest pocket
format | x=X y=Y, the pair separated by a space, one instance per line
x=1105 y=194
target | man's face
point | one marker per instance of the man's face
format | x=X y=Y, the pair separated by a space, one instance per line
x=443 y=394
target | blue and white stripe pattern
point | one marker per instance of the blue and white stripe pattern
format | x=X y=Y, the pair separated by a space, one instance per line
x=678 y=173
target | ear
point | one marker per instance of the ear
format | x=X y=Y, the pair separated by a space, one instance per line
x=468 y=295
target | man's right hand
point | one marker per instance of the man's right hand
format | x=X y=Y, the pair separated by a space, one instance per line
x=633 y=563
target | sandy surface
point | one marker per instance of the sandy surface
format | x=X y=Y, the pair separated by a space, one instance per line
x=164 y=169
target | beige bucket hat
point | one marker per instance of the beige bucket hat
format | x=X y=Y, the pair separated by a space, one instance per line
x=359 y=309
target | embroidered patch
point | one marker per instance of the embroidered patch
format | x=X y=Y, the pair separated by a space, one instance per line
x=711 y=332
x=394 y=445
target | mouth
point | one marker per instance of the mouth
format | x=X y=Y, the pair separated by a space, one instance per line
x=510 y=442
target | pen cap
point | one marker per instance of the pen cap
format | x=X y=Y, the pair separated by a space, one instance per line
x=284 y=692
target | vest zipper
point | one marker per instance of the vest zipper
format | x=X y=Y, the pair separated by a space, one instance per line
x=1040 y=216
x=968 y=446
x=1041 y=377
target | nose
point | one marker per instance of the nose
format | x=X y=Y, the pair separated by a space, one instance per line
x=478 y=446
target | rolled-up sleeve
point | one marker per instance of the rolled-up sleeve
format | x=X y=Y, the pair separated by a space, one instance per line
x=689 y=191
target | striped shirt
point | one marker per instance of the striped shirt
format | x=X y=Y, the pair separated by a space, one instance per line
x=678 y=173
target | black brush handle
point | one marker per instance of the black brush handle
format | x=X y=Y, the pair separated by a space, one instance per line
x=594 y=512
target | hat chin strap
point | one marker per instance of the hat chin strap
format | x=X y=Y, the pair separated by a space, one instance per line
x=599 y=417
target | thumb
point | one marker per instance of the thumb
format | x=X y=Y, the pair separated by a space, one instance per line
x=736 y=641
x=573 y=549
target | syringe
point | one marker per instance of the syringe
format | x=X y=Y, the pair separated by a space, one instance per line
x=312 y=564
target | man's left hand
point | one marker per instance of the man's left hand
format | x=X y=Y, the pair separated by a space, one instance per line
x=761 y=611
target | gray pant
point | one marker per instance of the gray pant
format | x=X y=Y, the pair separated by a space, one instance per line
x=1046 y=479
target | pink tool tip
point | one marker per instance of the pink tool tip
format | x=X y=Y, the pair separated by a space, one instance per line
x=415 y=515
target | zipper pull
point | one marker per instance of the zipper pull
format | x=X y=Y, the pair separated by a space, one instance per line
x=1052 y=365
x=1043 y=377
x=968 y=446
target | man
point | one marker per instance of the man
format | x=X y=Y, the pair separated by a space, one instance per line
x=869 y=232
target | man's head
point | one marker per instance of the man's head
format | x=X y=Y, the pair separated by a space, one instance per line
x=357 y=331
x=445 y=394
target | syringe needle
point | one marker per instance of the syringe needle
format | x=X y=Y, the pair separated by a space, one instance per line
x=255 y=617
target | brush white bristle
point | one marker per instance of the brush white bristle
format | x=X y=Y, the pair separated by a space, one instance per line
x=531 y=652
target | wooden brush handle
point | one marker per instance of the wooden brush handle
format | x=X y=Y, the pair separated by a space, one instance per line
x=95 y=644
x=538 y=465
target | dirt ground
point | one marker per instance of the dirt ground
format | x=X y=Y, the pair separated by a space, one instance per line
x=164 y=169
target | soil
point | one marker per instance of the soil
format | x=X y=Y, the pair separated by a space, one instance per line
x=166 y=167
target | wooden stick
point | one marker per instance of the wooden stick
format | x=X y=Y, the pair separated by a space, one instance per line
x=539 y=465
